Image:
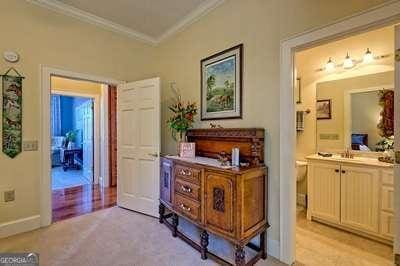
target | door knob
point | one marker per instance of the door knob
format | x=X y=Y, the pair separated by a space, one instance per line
x=153 y=154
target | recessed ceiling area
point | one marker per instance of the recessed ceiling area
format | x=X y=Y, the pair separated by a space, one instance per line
x=148 y=20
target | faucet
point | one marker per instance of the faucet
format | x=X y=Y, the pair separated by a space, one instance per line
x=347 y=154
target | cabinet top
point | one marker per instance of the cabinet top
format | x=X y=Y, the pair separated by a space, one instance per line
x=211 y=142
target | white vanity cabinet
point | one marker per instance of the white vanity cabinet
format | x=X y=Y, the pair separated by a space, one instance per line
x=355 y=197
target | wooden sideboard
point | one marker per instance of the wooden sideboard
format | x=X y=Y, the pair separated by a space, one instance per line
x=230 y=203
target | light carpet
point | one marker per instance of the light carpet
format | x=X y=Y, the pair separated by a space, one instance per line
x=113 y=236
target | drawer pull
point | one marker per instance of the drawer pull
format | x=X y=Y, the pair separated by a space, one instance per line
x=186 y=189
x=183 y=207
x=336 y=170
x=185 y=172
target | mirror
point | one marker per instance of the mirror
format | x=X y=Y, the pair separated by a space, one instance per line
x=356 y=113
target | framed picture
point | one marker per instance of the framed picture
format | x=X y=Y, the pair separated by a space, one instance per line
x=221 y=84
x=324 y=109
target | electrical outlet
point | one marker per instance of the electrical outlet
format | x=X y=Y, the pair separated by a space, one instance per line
x=30 y=145
x=9 y=195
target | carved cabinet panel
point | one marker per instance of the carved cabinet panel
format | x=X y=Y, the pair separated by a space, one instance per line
x=219 y=195
x=166 y=181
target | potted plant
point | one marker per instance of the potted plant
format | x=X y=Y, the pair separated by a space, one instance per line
x=70 y=138
x=181 y=120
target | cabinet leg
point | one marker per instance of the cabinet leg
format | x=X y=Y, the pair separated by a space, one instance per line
x=204 y=244
x=175 y=223
x=161 y=211
x=263 y=246
x=240 y=256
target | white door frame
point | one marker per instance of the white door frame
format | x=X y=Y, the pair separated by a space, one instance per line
x=379 y=16
x=45 y=169
x=96 y=130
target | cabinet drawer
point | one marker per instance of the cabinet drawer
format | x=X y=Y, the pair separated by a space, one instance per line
x=187 y=207
x=387 y=198
x=387 y=224
x=188 y=189
x=387 y=177
x=188 y=173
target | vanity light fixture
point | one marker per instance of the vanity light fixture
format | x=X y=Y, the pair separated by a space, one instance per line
x=330 y=65
x=348 y=62
x=368 y=57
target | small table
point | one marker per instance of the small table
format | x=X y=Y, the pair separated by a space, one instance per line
x=69 y=159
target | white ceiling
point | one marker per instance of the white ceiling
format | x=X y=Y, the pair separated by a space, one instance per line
x=148 y=20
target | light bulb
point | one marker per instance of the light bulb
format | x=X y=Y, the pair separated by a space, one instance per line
x=368 y=57
x=330 y=65
x=348 y=62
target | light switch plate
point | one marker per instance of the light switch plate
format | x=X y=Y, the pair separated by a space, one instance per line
x=30 y=145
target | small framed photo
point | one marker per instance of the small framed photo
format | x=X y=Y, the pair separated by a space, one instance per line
x=324 y=109
x=221 y=84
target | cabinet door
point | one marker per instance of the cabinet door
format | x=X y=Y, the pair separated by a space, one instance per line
x=166 y=181
x=360 y=198
x=219 y=208
x=387 y=225
x=325 y=191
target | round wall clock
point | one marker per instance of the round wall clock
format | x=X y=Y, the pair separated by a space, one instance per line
x=10 y=56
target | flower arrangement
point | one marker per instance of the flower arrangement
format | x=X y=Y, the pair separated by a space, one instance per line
x=182 y=118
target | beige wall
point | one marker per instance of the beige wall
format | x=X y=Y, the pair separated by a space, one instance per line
x=365 y=120
x=335 y=91
x=71 y=85
x=43 y=37
x=260 y=25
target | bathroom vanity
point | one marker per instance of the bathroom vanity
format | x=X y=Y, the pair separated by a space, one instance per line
x=354 y=194
x=229 y=202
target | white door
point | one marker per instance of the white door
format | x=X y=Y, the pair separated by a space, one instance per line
x=397 y=141
x=138 y=133
x=84 y=123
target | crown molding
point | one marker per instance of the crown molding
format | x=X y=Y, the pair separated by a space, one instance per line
x=191 y=18
x=68 y=10
x=187 y=20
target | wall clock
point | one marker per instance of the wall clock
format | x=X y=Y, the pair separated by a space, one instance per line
x=10 y=56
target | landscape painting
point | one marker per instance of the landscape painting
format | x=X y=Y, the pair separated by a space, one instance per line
x=324 y=109
x=221 y=85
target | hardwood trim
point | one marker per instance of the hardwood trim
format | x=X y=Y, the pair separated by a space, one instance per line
x=112 y=132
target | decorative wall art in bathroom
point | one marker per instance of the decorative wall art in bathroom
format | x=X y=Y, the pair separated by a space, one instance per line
x=324 y=109
x=12 y=113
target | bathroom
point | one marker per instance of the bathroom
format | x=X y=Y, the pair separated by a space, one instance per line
x=344 y=150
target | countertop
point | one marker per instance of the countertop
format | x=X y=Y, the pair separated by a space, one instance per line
x=356 y=160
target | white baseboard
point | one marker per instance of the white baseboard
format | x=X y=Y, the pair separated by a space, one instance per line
x=19 y=226
x=273 y=248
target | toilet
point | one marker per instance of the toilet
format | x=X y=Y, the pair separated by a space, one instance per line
x=301 y=170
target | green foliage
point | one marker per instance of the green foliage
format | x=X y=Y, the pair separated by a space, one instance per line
x=70 y=136
x=385 y=144
x=182 y=118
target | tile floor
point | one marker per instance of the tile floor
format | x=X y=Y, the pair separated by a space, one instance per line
x=318 y=244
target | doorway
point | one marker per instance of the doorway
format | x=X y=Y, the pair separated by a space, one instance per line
x=384 y=15
x=72 y=141
x=344 y=131
x=80 y=173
